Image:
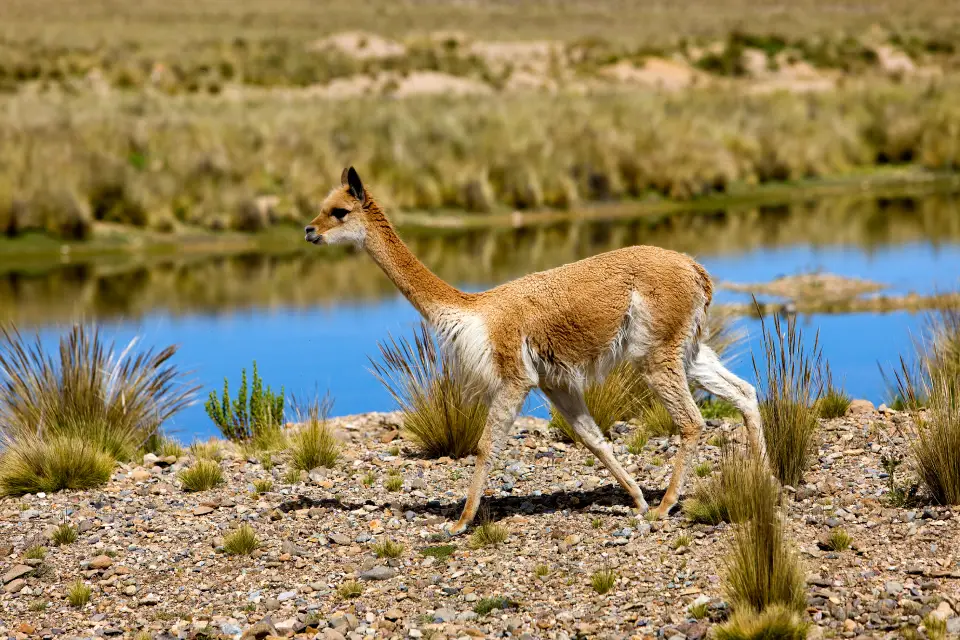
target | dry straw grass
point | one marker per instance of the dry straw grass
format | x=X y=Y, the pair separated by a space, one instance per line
x=442 y=413
x=314 y=444
x=725 y=496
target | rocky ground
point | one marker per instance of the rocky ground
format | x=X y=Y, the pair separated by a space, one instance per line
x=152 y=553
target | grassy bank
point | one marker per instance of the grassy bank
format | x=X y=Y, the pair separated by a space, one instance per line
x=249 y=163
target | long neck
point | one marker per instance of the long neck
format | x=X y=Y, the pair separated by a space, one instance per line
x=424 y=289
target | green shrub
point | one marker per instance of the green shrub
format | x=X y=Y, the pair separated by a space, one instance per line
x=603 y=580
x=790 y=385
x=442 y=413
x=202 y=476
x=242 y=541
x=314 y=444
x=78 y=594
x=257 y=419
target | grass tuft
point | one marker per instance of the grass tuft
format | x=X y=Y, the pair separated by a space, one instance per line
x=242 y=541
x=638 y=440
x=35 y=552
x=494 y=603
x=292 y=476
x=839 y=540
x=936 y=447
x=32 y=465
x=262 y=485
x=657 y=421
x=936 y=627
x=210 y=450
x=790 y=386
x=726 y=496
x=488 y=534
x=699 y=611
x=618 y=397
x=64 y=534
x=394 y=482
x=703 y=469
x=440 y=552
x=603 y=580
x=774 y=623
x=314 y=444
x=834 y=402
x=683 y=540
x=350 y=589
x=442 y=413
x=388 y=549
x=79 y=594
x=202 y=476
x=541 y=570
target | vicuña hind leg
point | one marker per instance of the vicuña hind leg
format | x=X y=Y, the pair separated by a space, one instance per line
x=573 y=408
x=708 y=372
x=503 y=411
x=669 y=382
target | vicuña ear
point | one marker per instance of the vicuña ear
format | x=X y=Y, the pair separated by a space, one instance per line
x=356 y=187
x=343 y=177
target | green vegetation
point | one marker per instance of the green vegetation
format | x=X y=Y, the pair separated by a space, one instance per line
x=618 y=397
x=698 y=611
x=936 y=627
x=262 y=485
x=727 y=495
x=162 y=446
x=657 y=420
x=79 y=594
x=834 y=401
x=839 y=540
x=292 y=476
x=242 y=541
x=777 y=622
x=257 y=419
x=388 y=549
x=603 y=580
x=637 y=441
x=210 y=450
x=350 y=589
x=703 y=469
x=790 y=386
x=314 y=444
x=67 y=418
x=488 y=534
x=202 y=476
x=494 y=603
x=442 y=413
x=440 y=552
x=541 y=570
x=35 y=552
x=394 y=482
x=64 y=534
x=683 y=540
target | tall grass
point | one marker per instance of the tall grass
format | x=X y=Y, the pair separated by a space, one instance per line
x=741 y=482
x=834 y=401
x=620 y=396
x=790 y=382
x=314 y=444
x=442 y=413
x=64 y=418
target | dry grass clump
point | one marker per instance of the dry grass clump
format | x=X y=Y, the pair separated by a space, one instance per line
x=618 y=397
x=242 y=541
x=202 y=476
x=488 y=534
x=834 y=401
x=839 y=540
x=603 y=580
x=442 y=413
x=350 y=589
x=388 y=549
x=776 y=622
x=789 y=384
x=314 y=443
x=66 y=418
x=727 y=496
x=209 y=450
x=79 y=594
x=64 y=534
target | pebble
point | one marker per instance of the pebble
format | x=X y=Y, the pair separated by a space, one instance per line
x=379 y=572
x=100 y=562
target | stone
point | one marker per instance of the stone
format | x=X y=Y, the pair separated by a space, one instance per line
x=340 y=539
x=139 y=474
x=860 y=407
x=150 y=600
x=331 y=634
x=943 y=611
x=378 y=572
x=15 y=586
x=271 y=604
x=288 y=626
x=101 y=562
x=6 y=550
x=203 y=510
x=260 y=630
x=444 y=615
x=393 y=615
x=893 y=587
x=953 y=625
x=286 y=595
x=130 y=591
x=17 y=571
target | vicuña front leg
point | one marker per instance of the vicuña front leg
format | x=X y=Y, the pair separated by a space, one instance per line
x=573 y=408
x=669 y=382
x=503 y=411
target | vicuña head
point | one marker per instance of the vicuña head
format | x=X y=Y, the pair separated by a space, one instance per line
x=557 y=330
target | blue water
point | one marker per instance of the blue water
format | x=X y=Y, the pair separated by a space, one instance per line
x=326 y=348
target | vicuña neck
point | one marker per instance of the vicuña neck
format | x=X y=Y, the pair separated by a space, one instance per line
x=424 y=289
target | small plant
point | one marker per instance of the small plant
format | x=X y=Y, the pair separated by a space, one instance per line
x=713 y=408
x=718 y=440
x=64 y=534
x=32 y=465
x=936 y=627
x=440 y=552
x=590 y=462
x=35 y=552
x=314 y=444
x=388 y=549
x=442 y=411
x=394 y=482
x=78 y=594
x=266 y=461
x=726 y=496
x=834 y=402
x=394 y=451
x=541 y=570
x=350 y=589
x=899 y=496
x=683 y=540
x=495 y=603
x=262 y=485
x=292 y=476
x=839 y=540
x=596 y=523
x=603 y=580
x=368 y=479
x=703 y=469
x=620 y=396
x=656 y=461
x=790 y=385
x=488 y=534
x=936 y=447
x=38 y=606
x=210 y=450
x=657 y=420
x=162 y=446
x=776 y=622
x=202 y=476
x=699 y=611
x=242 y=541
x=257 y=418
x=638 y=440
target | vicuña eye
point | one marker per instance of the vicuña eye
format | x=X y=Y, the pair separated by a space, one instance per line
x=339 y=213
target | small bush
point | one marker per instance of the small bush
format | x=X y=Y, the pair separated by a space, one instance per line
x=488 y=534
x=839 y=540
x=292 y=476
x=699 y=611
x=35 y=552
x=202 y=476
x=774 y=623
x=394 y=482
x=596 y=523
x=350 y=589
x=242 y=541
x=790 y=385
x=313 y=444
x=638 y=440
x=79 y=594
x=388 y=549
x=541 y=570
x=262 y=485
x=618 y=397
x=442 y=412
x=64 y=534
x=726 y=496
x=257 y=418
x=32 y=465
x=603 y=580
x=834 y=402
x=440 y=552
x=936 y=627
x=368 y=479
x=495 y=603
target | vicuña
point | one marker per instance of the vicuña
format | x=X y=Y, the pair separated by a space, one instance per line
x=557 y=330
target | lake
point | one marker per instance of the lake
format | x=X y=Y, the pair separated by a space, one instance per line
x=312 y=316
